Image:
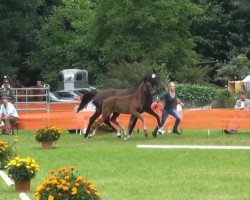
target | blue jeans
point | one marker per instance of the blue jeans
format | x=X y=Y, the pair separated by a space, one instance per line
x=172 y=112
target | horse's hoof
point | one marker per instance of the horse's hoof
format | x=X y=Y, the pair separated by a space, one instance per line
x=119 y=136
x=85 y=136
x=125 y=139
x=146 y=134
x=154 y=134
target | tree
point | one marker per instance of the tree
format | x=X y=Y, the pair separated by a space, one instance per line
x=124 y=74
x=137 y=30
x=91 y=34
x=65 y=42
x=236 y=69
x=19 y=23
x=221 y=29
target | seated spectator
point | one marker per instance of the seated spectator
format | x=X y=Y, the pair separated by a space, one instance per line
x=8 y=114
x=157 y=106
x=6 y=90
x=242 y=104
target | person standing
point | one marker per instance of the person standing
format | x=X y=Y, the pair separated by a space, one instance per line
x=6 y=90
x=8 y=114
x=170 y=101
x=157 y=105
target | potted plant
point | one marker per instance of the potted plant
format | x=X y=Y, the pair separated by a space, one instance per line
x=65 y=184
x=48 y=134
x=22 y=170
x=6 y=153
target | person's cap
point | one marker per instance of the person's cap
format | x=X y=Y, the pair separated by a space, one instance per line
x=4 y=97
x=243 y=92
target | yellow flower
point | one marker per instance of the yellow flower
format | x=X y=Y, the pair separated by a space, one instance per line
x=88 y=192
x=73 y=190
x=51 y=197
x=65 y=188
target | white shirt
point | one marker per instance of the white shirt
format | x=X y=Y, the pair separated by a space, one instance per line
x=9 y=109
x=242 y=104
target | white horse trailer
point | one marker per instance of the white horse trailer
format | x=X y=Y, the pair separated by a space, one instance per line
x=71 y=79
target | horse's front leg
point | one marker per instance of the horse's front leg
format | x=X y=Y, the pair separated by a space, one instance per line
x=113 y=120
x=131 y=125
x=138 y=115
x=107 y=121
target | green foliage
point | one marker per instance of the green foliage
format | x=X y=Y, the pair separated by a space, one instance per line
x=222 y=28
x=226 y=99
x=90 y=34
x=192 y=75
x=236 y=69
x=65 y=42
x=196 y=94
x=125 y=74
x=145 y=30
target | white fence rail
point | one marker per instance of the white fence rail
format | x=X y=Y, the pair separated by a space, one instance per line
x=32 y=98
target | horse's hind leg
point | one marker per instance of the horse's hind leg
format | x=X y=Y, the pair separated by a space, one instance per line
x=121 y=128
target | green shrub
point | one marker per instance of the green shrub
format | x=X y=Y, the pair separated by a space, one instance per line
x=196 y=95
x=226 y=99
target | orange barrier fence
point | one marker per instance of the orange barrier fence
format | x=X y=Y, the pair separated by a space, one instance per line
x=64 y=116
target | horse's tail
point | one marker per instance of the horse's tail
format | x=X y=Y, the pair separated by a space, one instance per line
x=86 y=99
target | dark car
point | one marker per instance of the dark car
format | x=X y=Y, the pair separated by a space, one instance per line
x=69 y=95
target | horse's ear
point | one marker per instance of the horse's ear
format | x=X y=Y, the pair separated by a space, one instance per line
x=145 y=79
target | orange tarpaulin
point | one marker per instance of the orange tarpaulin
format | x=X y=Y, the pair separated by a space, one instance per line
x=65 y=117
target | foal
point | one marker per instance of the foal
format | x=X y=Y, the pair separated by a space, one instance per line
x=131 y=104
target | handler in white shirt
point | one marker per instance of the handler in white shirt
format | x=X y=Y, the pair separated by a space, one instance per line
x=8 y=114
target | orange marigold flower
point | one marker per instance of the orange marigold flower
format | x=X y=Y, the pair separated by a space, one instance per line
x=52 y=171
x=72 y=168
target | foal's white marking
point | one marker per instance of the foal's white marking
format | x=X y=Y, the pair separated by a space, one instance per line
x=191 y=147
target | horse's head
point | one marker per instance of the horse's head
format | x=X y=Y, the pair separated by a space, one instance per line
x=148 y=86
x=155 y=79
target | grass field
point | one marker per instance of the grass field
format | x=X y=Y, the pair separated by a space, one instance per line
x=120 y=171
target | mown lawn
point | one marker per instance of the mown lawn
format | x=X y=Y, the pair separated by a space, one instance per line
x=120 y=171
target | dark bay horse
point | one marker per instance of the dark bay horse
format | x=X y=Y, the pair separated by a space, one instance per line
x=130 y=104
x=98 y=97
x=36 y=91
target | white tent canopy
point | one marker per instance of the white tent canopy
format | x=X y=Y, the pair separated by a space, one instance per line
x=247 y=79
x=247 y=83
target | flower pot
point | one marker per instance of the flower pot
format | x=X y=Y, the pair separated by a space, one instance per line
x=47 y=145
x=22 y=186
